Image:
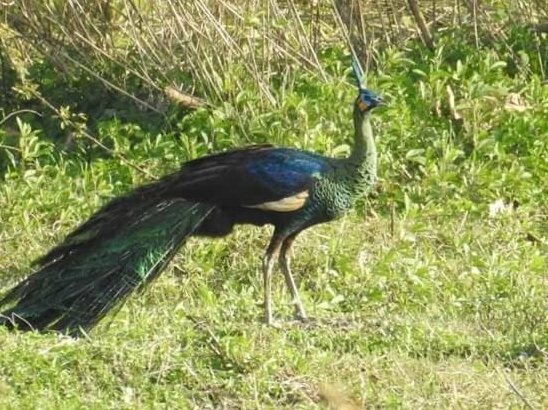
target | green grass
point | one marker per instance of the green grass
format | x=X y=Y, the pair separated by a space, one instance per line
x=422 y=298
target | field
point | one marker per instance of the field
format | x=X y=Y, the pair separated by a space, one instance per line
x=432 y=293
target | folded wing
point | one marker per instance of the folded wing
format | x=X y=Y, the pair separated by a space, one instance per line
x=262 y=177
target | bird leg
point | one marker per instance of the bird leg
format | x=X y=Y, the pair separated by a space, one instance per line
x=284 y=261
x=268 y=265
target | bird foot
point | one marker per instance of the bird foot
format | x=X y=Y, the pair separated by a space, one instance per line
x=273 y=323
x=301 y=317
x=299 y=312
x=307 y=322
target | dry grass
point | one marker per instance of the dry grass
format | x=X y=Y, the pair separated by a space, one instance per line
x=207 y=48
x=432 y=295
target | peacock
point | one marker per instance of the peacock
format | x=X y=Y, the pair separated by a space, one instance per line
x=127 y=243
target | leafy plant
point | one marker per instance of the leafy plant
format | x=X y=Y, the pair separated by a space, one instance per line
x=432 y=294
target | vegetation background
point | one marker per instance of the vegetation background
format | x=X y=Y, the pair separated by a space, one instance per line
x=432 y=294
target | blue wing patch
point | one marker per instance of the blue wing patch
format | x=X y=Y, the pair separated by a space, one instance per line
x=285 y=170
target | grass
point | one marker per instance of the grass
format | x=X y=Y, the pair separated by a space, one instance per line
x=431 y=294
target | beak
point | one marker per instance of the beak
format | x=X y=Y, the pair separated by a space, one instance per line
x=381 y=102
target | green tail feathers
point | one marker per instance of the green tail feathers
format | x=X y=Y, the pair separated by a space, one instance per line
x=119 y=250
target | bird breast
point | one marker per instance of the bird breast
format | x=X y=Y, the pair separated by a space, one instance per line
x=331 y=198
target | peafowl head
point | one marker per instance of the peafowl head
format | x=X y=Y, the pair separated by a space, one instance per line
x=367 y=100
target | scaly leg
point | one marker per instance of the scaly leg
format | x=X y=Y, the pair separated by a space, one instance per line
x=284 y=261
x=268 y=265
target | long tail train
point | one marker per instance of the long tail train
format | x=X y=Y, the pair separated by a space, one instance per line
x=124 y=246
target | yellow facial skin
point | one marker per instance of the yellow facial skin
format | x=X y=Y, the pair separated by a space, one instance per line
x=362 y=106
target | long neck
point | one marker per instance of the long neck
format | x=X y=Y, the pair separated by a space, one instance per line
x=364 y=149
x=363 y=158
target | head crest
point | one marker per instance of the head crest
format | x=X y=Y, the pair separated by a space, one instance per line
x=358 y=73
x=367 y=99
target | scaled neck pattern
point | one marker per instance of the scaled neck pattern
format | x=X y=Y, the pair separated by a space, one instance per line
x=363 y=157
